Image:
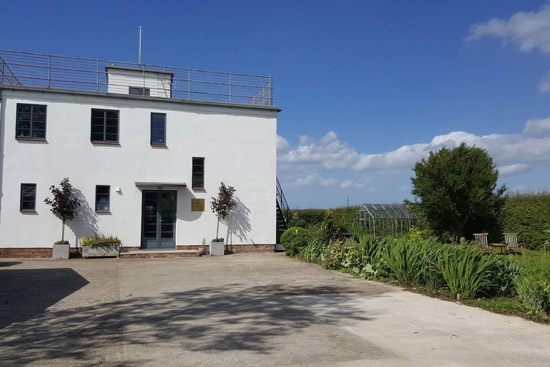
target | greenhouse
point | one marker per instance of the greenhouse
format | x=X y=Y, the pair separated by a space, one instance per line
x=385 y=219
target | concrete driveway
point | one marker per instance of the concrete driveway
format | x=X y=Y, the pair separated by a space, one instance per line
x=241 y=310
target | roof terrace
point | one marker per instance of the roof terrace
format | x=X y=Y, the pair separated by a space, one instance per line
x=95 y=75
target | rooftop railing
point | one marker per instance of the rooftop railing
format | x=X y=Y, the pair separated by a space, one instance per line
x=85 y=74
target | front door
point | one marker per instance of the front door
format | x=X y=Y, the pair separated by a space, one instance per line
x=158 y=220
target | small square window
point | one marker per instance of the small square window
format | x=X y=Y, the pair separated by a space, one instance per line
x=30 y=121
x=198 y=173
x=102 y=198
x=28 y=197
x=158 y=128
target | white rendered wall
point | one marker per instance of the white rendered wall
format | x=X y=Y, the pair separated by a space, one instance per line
x=239 y=146
x=120 y=81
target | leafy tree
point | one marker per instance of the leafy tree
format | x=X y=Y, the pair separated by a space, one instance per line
x=64 y=203
x=456 y=191
x=223 y=204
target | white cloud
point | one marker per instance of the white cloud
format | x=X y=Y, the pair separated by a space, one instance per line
x=539 y=127
x=512 y=168
x=319 y=162
x=315 y=179
x=349 y=184
x=544 y=85
x=528 y=30
x=329 y=153
x=282 y=144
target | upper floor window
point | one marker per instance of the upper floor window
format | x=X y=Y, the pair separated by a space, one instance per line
x=102 y=198
x=31 y=121
x=158 y=128
x=198 y=173
x=136 y=91
x=28 y=197
x=104 y=125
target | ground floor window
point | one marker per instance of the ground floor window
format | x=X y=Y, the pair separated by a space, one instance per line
x=102 y=198
x=28 y=197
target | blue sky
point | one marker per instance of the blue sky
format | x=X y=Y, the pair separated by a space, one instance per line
x=367 y=88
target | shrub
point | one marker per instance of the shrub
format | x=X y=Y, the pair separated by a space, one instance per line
x=533 y=294
x=326 y=230
x=101 y=240
x=312 y=251
x=418 y=235
x=466 y=271
x=293 y=239
x=430 y=252
x=505 y=273
x=340 y=255
x=533 y=286
x=404 y=261
x=369 y=251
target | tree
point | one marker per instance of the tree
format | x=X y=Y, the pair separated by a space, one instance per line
x=223 y=204
x=64 y=203
x=456 y=191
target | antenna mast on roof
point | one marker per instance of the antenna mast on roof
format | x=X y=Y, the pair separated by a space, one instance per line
x=139 y=57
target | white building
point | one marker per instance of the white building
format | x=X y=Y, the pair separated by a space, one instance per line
x=138 y=153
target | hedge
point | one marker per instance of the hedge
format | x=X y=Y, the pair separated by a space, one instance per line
x=529 y=216
x=308 y=218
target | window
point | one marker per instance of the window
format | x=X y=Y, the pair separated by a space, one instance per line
x=158 y=128
x=28 y=197
x=102 y=198
x=31 y=121
x=198 y=173
x=136 y=91
x=104 y=126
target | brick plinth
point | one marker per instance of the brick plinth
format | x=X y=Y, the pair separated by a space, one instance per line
x=75 y=252
x=146 y=255
x=239 y=249
x=37 y=253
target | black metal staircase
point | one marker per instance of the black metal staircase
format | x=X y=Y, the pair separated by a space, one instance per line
x=283 y=212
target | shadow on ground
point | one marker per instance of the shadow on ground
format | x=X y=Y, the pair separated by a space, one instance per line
x=26 y=293
x=209 y=319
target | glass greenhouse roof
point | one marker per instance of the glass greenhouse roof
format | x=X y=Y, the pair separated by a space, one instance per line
x=387 y=211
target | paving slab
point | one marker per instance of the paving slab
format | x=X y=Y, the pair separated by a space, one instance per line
x=246 y=310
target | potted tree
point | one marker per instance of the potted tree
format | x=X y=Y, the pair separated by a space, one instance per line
x=64 y=205
x=221 y=206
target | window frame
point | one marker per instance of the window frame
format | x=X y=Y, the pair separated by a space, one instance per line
x=108 y=210
x=155 y=144
x=143 y=91
x=22 y=199
x=104 y=141
x=194 y=173
x=31 y=122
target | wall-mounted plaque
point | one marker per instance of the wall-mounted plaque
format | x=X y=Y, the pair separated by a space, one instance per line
x=197 y=205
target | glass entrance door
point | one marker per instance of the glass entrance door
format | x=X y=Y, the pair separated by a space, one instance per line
x=158 y=219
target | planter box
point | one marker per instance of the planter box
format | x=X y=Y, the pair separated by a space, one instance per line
x=217 y=248
x=61 y=251
x=100 y=251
